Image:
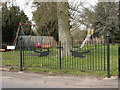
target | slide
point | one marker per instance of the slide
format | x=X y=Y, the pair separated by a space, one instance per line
x=86 y=39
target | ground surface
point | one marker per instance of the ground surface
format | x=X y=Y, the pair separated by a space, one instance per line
x=29 y=80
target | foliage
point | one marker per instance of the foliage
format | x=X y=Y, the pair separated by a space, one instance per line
x=45 y=16
x=11 y=16
x=102 y=18
x=106 y=19
x=0 y=24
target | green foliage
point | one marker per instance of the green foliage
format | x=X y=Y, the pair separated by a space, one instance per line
x=103 y=18
x=107 y=19
x=45 y=16
x=11 y=16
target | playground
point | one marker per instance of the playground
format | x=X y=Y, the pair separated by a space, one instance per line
x=44 y=53
x=75 y=43
x=89 y=58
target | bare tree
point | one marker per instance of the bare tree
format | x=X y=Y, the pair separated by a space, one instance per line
x=78 y=16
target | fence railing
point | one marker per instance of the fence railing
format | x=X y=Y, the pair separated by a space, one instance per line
x=93 y=56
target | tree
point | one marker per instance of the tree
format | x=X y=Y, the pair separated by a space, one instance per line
x=75 y=9
x=11 y=16
x=64 y=27
x=106 y=19
x=0 y=24
x=54 y=16
x=102 y=17
x=45 y=17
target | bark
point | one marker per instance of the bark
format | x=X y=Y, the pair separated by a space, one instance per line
x=63 y=27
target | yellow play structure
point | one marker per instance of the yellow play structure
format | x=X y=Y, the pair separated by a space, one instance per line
x=89 y=34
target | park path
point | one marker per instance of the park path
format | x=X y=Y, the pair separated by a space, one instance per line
x=65 y=81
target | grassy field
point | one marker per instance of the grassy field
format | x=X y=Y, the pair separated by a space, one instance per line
x=94 y=62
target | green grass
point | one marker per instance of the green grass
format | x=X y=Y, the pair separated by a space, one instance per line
x=94 y=62
x=10 y=58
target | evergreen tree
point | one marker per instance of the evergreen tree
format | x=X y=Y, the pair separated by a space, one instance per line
x=11 y=16
x=102 y=18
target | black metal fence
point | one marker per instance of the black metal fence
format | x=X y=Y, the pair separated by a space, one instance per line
x=93 y=56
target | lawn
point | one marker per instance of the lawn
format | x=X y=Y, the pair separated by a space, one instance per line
x=94 y=61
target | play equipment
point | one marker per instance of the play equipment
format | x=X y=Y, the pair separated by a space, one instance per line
x=10 y=47
x=45 y=45
x=2 y=50
x=17 y=34
x=89 y=34
x=43 y=53
x=78 y=54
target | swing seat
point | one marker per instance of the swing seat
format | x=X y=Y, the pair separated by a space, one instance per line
x=43 y=46
x=2 y=50
x=38 y=45
x=42 y=54
x=78 y=54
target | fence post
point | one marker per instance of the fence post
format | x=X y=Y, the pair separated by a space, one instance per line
x=21 y=69
x=60 y=48
x=119 y=62
x=108 y=56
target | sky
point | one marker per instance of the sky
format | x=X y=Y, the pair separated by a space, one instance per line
x=28 y=10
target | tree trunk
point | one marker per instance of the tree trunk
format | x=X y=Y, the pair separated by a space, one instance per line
x=63 y=27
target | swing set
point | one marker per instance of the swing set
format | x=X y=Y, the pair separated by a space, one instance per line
x=40 y=45
x=45 y=45
x=17 y=35
x=80 y=54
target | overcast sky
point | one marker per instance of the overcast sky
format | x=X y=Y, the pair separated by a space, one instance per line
x=28 y=8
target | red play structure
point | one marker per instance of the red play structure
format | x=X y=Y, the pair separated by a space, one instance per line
x=44 y=46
